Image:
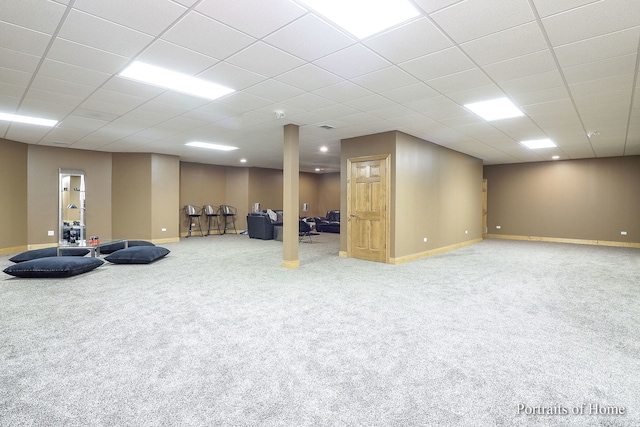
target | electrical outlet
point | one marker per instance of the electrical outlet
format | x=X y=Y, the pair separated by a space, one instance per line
x=623 y=233
x=425 y=240
x=164 y=229
x=51 y=233
x=498 y=227
x=466 y=231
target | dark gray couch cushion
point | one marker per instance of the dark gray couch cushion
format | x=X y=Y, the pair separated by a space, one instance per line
x=57 y=266
x=46 y=252
x=137 y=255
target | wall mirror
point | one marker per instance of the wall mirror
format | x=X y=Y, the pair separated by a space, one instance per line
x=72 y=206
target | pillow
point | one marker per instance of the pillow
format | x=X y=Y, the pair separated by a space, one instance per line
x=47 y=252
x=112 y=247
x=56 y=266
x=137 y=255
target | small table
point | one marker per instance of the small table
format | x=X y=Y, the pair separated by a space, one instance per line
x=93 y=249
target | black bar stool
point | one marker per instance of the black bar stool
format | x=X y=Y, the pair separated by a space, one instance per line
x=213 y=214
x=192 y=214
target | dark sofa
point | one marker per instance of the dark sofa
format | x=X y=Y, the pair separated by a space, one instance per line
x=330 y=223
x=260 y=225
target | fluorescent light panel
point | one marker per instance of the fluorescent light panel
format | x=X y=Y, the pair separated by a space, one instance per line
x=211 y=146
x=173 y=80
x=363 y=18
x=495 y=109
x=536 y=144
x=28 y=120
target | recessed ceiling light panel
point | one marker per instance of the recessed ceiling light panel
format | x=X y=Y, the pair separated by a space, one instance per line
x=536 y=144
x=173 y=80
x=27 y=119
x=363 y=18
x=210 y=146
x=495 y=109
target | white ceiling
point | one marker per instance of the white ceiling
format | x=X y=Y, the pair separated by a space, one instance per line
x=571 y=65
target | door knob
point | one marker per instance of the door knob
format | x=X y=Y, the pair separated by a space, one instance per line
x=353 y=214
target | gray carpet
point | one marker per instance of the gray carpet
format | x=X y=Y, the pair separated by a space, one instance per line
x=217 y=333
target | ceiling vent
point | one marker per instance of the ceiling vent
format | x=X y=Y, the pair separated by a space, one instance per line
x=326 y=126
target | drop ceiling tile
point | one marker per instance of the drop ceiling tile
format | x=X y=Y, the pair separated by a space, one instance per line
x=337 y=111
x=274 y=90
x=162 y=53
x=426 y=38
x=27 y=41
x=67 y=135
x=540 y=96
x=308 y=102
x=220 y=42
x=390 y=112
x=601 y=69
x=132 y=87
x=599 y=48
x=481 y=17
x=309 y=38
x=14 y=77
x=46 y=105
x=352 y=62
x=551 y=7
x=245 y=100
x=537 y=82
x=385 y=79
x=592 y=20
x=37 y=15
x=55 y=88
x=343 y=91
x=414 y=92
x=308 y=78
x=557 y=118
x=89 y=30
x=616 y=84
x=438 y=64
x=26 y=133
x=370 y=102
x=85 y=57
x=476 y=94
x=522 y=66
x=147 y=16
x=266 y=60
x=464 y=80
x=10 y=97
x=72 y=73
x=181 y=100
x=432 y=5
x=231 y=76
x=256 y=18
x=521 y=40
x=564 y=105
x=18 y=61
x=112 y=102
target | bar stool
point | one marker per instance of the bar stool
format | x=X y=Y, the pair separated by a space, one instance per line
x=212 y=213
x=192 y=213
x=228 y=213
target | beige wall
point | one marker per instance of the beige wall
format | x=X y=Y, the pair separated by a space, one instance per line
x=131 y=197
x=200 y=185
x=309 y=192
x=165 y=197
x=438 y=195
x=265 y=187
x=13 y=185
x=589 y=199
x=328 y=193
x=42 y=191
x=238 y=194
x=435 y=192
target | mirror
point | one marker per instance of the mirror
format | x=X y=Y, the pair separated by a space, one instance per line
x=71 y=206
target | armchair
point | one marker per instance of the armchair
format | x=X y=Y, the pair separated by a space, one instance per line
x=260 y=225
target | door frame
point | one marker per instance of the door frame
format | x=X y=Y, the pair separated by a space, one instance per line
x=387 y=202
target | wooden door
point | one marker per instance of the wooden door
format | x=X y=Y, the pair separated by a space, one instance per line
x=368 y=208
